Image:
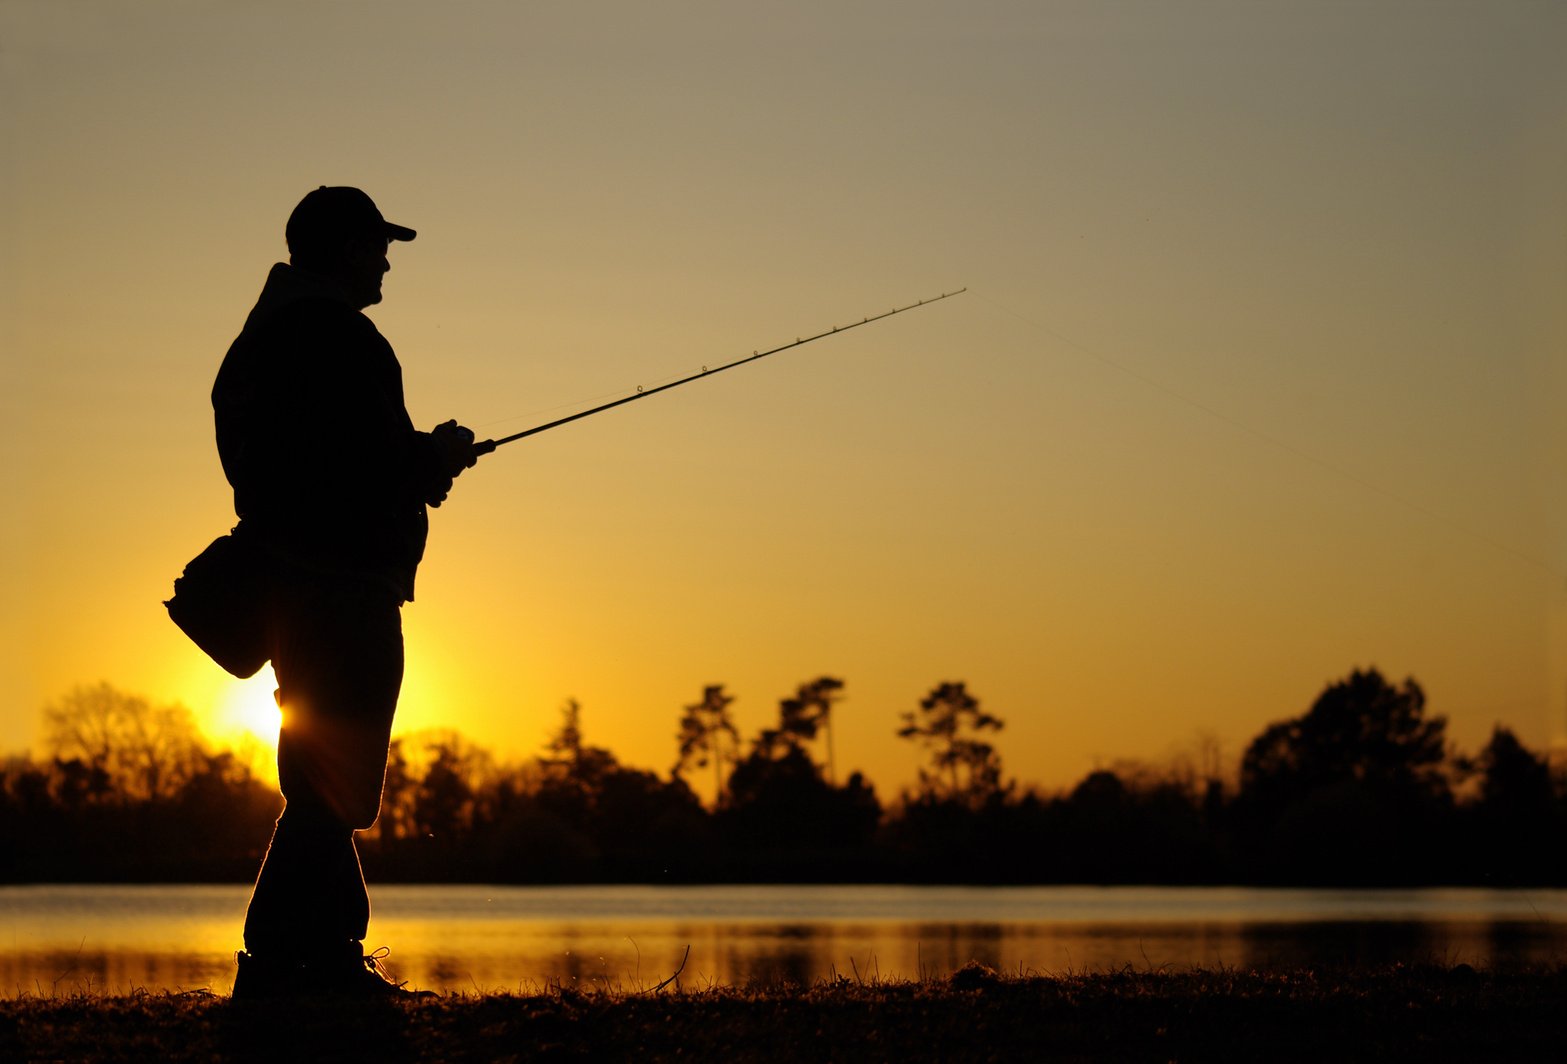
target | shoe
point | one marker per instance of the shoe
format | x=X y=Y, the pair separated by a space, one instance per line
x=370 y=979
x=257 y=977
x=350 y=974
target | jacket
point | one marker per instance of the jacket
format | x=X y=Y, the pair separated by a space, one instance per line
x=328 y=472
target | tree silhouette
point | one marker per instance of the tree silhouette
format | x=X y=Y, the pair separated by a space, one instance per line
x=614 y=815
x=800 y=719
x=434 y=792
x=570 y=765
x=444 y=803
x=1361 y=729
x=399 y=788
x=812 y=706
x=1518 y=819
x=708 y=736
x=219 y=821
x=964 y=768
x=1513 y=781
x=1354 y=790
x=123 y=743
x=782 y=813
x=780 y=808
x=1359 y=789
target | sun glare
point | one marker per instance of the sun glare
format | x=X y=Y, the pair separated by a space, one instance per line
x=249 y=708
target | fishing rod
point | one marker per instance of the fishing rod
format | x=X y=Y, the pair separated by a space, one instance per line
x=486 y=446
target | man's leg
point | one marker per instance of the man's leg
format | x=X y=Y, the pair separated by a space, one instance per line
x=338 y=657
x=309 y=901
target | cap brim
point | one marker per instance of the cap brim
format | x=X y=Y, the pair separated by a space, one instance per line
x=398 y=232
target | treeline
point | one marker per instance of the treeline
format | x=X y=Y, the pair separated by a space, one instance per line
x=1363 y=788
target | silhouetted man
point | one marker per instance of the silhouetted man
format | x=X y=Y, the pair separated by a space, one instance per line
x=331 y=483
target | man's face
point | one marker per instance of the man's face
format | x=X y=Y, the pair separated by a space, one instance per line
x=363 y=267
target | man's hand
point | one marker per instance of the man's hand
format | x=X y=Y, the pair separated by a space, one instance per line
x=436 y=491
x=454 y=447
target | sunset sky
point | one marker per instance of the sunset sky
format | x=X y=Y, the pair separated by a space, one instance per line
x=1259 y=379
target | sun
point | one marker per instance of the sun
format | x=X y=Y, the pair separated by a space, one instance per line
x=249 y=709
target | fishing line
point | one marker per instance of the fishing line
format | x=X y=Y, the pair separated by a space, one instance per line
x=1283 y=445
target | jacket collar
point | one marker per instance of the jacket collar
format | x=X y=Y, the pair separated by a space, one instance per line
x=288 y=284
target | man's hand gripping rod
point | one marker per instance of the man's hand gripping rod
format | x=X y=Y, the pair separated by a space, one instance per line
x=486 y=446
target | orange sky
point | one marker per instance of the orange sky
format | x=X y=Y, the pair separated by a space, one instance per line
x=1259 y=378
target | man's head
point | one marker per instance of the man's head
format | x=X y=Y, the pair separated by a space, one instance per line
x=339 y=232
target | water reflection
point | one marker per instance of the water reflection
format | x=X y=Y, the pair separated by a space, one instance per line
x=62 y=939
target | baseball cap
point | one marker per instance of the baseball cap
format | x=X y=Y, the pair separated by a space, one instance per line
x=330 y=213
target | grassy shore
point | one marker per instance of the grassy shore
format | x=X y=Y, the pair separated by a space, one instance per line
x=1402 y=1013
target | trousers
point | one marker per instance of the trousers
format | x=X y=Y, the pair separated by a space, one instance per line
x=337 y=653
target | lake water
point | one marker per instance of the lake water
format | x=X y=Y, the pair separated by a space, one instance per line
x=59 y=939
